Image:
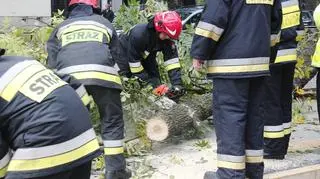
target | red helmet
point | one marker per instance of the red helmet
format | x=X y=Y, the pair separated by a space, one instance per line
x=168 y=22
x=93 y=3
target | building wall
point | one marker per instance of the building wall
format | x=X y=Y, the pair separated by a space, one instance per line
x=18 y=8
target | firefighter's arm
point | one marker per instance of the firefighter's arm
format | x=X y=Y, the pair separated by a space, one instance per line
x=115 y=46
x=300 y=29
x=171 y=58
x=79 y=88
x=276 y=21
x=52 y=48
x=136 y=49
x=210 y=28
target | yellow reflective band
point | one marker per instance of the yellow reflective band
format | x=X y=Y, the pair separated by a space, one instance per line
x=287 y=131
x=287 y=10
x=49 y=162
x=3 y=171
x=316 y=60
x=231 y=165
x=286 y=58
x=173 y=66
x=113 y=151
x=290 y=20
x=238 y=69
x=136 y=69
x=208 y=34
x=13 y=87
x=81 y=36
x=85 y=28
x=254 y=159
x=97 y=75
x=40 y=85
x=270 y=2
x=86 y=99
x=273 y=135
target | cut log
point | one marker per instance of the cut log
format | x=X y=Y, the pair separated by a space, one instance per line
x=189 y=112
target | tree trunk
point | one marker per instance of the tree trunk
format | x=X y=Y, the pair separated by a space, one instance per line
x=179 y=118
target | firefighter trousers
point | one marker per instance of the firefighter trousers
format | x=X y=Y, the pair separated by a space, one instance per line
x=112 y=125
x=80 y=172
x=277 y=128
x=318 y=92
x=238 y=106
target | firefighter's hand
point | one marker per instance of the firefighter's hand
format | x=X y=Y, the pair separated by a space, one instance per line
x=161 y=90
x=197 y=64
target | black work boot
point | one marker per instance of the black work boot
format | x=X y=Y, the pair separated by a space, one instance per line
x=119 y=174
x=210 y=175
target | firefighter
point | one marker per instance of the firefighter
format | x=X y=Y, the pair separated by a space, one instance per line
x=316 y=56
x=139 y=49
x=233 y=40
x=85 y=46
x=278 y=116
x=39 y=124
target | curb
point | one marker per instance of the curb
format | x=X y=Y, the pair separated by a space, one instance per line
x=308 y=172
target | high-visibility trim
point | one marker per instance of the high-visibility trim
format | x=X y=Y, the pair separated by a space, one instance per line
x=3 y=171
x=97 y=75
x=16 y=76
x=113 y=143
x=172 y=64
x=286 y=55
x=238 y=69
x=145 y=54
x=113 y=151
x=231 y=161
x=273 y=135
x=231 y=158
x=207 y=34
x=238 y=65
x=136 y=67
x=273 y=131
x=273 y=128
x=80 y=35
x=254 y=156
x=29 y=159
x=254 y=152
x=85 y=98
x=231 y=165
x=300 y=34
x=171 y=61
x=290 y=6
x=254 y=159
x=275 y=38
x=56 y=149
x=291 y=20
x=287 y=128
x=210 y=27
x=269 y=2
x=4 y=164
x=315 y=62
x=89 y=67
x=85 y=24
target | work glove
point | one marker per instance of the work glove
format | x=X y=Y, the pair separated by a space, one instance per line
x=161 y=90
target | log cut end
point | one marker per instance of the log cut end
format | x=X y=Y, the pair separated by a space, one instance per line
x=157 y=129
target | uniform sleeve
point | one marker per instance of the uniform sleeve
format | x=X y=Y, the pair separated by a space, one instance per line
x=276 y=21
x=210 y=28
x=300 y=29
x=136 y=47
x=171 y=58
x=115 y=47
x=52 y=49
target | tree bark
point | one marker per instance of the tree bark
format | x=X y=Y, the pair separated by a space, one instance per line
x=189 y=112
